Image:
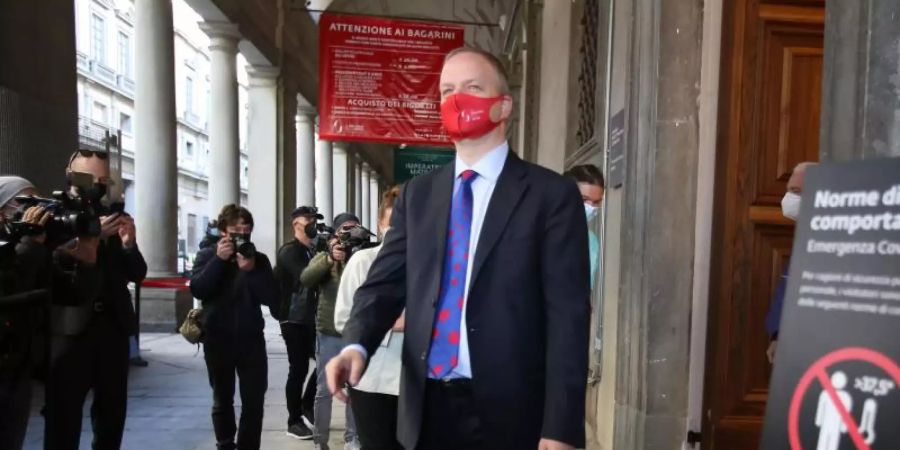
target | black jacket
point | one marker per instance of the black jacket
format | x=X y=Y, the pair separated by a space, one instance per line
x=528 y=312
x=297 y=302
x=119 y=266
x=232 y=298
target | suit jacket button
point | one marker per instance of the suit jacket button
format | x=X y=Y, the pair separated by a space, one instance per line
x=424 y=355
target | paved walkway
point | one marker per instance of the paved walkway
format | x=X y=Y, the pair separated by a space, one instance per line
x=169 y=401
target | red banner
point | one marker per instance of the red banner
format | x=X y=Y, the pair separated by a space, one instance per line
x=378 y=79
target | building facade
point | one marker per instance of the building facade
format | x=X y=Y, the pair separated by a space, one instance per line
x=106 y=66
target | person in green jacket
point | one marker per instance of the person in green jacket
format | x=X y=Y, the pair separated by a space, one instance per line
x=324 y=273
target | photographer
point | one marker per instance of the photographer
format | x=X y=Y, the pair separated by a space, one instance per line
x=23 y=297
x=324 y=273
x=233 y=280
x=298 y=317
x=91 y=325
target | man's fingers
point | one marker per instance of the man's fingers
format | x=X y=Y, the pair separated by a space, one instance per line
x=334 y=374
x=45 y=217
x=341 y=395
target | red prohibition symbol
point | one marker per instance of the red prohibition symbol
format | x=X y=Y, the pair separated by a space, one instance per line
x=818 y=372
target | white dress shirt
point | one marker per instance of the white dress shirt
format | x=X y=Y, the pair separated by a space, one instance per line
x=488 y=169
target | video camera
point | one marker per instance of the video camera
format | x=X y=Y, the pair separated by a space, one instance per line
x=71 y=217
x=73 y=213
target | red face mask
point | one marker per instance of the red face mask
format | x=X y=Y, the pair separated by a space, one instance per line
x=466 y=116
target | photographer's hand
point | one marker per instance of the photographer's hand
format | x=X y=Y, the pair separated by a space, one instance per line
x=337 y=253
x=37 y=215
x=245 y=264
x=109 y=225
x=225 y=249
x=127 y=232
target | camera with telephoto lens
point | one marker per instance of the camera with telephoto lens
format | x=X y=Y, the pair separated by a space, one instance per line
x=71 y=216
x=354 y=239
x=242 y=244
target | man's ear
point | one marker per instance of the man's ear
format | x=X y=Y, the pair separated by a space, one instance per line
x=506 y=107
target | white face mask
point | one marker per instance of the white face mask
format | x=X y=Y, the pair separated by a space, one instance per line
x=590 y=211
x=790 y=206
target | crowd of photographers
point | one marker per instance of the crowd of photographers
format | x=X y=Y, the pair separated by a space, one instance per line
x=66 y=314
x=66 y=310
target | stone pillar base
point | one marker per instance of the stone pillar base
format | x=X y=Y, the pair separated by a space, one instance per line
x=163 y=309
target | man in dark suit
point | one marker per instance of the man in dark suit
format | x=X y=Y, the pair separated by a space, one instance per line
x=489 y=259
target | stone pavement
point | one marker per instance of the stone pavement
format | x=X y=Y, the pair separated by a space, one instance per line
x=169 y=401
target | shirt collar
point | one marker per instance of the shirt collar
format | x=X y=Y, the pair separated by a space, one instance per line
x=489 y=166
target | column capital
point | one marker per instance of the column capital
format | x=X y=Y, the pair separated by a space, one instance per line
x=222 y=35
x=365 y=167
x=264 y=76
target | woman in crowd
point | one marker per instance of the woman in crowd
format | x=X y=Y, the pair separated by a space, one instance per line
x=374 y=400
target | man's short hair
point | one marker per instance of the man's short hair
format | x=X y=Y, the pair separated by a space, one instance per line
x=387 y=200
x=232 y=214
x=587 y=173
x=491 y=59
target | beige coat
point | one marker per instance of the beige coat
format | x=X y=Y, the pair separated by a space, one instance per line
x=383 y=373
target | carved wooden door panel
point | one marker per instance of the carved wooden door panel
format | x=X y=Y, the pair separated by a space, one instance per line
x=768 y=122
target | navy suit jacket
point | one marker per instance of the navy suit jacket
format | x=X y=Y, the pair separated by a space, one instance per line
x=528 y=313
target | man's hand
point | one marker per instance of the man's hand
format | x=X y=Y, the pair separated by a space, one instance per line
x=770 y=352
x=337 y=253
x=225 y=249
x=109 y=225
x=85 y=250
x=37 y=215
x=550 y=444
x=400 y=324
x=347 y=366
x=245 y=264
x=127 y=232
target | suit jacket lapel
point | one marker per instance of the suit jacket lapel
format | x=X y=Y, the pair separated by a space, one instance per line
x=439 y=215
x=509 y=190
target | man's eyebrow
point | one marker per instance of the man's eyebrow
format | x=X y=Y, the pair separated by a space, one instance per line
x=467 y=81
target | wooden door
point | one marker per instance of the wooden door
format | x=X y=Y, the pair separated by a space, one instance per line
x=769 y=105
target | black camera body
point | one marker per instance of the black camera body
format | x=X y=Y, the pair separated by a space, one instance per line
x=242 y=245
x=355 y=239
x=72 y=216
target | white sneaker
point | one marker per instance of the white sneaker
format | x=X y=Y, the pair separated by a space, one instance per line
x=352 y=445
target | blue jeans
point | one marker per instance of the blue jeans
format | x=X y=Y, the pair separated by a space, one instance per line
x=328 y=347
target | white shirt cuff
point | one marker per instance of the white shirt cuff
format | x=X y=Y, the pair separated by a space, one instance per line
x=358 y=348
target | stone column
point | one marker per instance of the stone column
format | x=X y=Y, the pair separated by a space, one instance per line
x=556 y=56
x=861 y=69
x=357 y=183
x=156 y=152
x=340 y=180
x=374 y=198
x=262 y=147
x=365 y=207
x=225 y=157
x=324 y=177
x=306 y=156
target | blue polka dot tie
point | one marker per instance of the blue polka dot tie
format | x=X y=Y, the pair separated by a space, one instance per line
x=444 y=353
